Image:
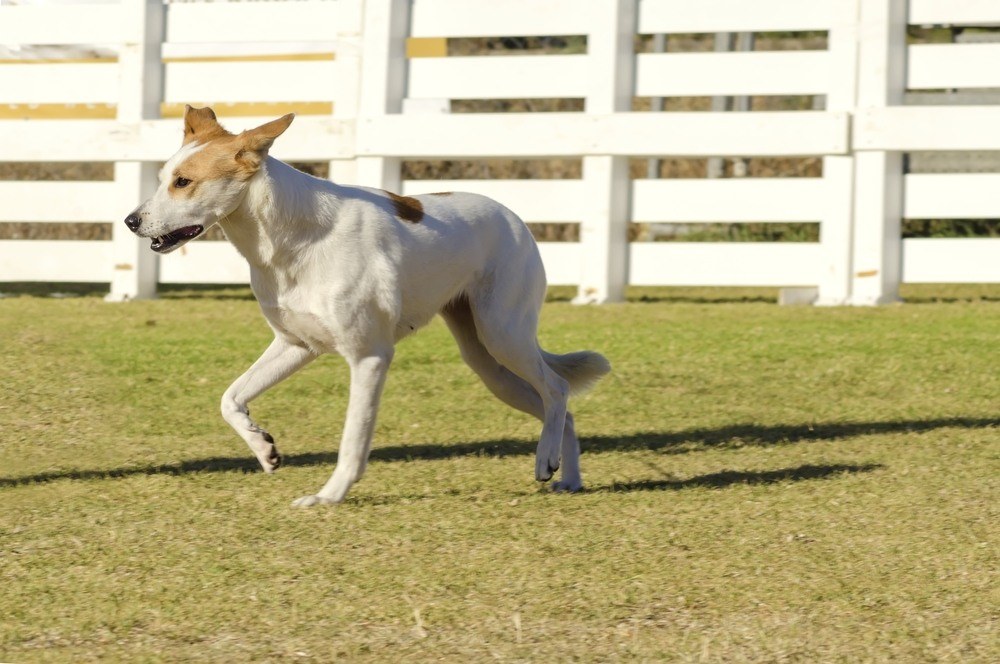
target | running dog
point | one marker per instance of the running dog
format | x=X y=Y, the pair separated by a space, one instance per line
x=352 y=270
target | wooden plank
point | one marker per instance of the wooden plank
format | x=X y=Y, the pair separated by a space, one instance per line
x=937 y=66
x=59 y=83
x=627 y=134
x=541 y=201
x=55 y=260
x=927 y=128
x=310 y=138
x=486 y=18
x=705 y=74
x=253 y=81
x=509 y=77
x=261 y=21
x=682 y=16
x=204 y=262
x=59 y=201
x=951 y=196
x=955 y=12
x=951 y=260
x=724 y=263
x=62 y=24
x=729 y=200
x=250 y=51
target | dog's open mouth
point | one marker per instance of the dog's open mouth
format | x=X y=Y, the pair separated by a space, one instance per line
x=165 y=243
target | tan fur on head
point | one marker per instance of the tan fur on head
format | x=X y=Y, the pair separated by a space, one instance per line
x=224 y=155
x=201 y=125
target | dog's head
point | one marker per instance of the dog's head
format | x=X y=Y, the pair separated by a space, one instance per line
x=204 y=181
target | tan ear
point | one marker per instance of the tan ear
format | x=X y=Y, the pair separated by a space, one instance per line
x=260 y=138
x=200 y=125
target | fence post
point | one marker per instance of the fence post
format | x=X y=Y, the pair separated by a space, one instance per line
x=838 y=171
x=140 y=91
x=384 y=70
x=604 y=227
x=878 y=182
x=346 y=96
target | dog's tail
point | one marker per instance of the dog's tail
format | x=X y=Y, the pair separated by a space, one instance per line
x=580 y=369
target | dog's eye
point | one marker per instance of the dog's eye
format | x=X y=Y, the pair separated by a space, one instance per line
x=180 y=183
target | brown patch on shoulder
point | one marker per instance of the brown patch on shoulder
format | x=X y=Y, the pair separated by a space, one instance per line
x=442 y=193
x=407 y=208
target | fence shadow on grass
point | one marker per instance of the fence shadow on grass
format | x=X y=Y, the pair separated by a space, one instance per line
x=730 y=477
x=673 y=442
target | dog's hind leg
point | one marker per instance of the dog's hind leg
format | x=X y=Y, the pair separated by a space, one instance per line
x=368 y=374
x=279 y=361
x=506 y=319
x=509 y=388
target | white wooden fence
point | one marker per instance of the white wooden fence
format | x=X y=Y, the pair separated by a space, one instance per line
x=365 y=106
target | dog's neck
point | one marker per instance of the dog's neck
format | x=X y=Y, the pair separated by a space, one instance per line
x=282 y=213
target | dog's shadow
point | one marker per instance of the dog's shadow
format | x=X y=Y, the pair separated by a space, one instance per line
x=665 y=442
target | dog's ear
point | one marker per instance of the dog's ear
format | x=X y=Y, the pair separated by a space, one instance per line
x=261 y=138
x=254 y=143
x=200 y=124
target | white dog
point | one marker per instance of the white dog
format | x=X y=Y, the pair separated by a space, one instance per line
x=353 y=270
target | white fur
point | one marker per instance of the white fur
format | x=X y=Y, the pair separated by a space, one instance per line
x=335 y=269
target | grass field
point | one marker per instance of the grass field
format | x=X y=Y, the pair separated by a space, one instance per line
x=764 y=484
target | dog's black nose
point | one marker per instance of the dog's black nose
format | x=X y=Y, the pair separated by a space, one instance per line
x=133 y=222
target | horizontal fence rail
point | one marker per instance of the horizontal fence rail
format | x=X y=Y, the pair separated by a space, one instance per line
x=376 y=83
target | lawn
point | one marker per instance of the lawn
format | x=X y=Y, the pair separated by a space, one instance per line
x=764 y=483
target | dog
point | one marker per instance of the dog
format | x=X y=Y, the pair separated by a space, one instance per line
x=353 y=270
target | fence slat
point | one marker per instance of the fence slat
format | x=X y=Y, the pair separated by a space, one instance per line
x=951 y=196
x=937 y=66
x=705 y=74
x=260 y=21
x=724 y=263
x=728 y=200
x=62 y=24
x=55 y=260
x=59 y=201
x=487 y=18
x=540 y=201
x=682 y=16
x=310 y=138
x=951 y=260
x=955 y=12
x=90 y=83
x=927 y=128
x=509 y=77
x=632 y=134
x=252 y=81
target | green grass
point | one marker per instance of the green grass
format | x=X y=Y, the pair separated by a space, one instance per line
x=764 y=484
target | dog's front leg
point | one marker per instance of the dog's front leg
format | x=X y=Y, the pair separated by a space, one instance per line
x=279 y=361
x=367 y=379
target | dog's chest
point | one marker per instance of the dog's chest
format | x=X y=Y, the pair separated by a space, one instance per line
x=305 y=326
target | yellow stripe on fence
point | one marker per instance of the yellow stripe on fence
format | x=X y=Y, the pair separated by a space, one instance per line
x=57 y=111
x=167 y=110
x=426 y=47
x=287 y=57
x=264 y=108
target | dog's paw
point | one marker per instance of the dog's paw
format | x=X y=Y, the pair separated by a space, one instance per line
x=545 y=468
x=567 y=486
x=266 y=452
x=309 y=501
